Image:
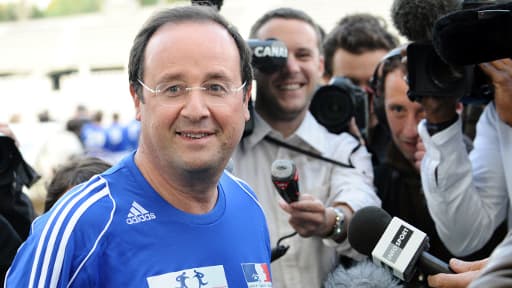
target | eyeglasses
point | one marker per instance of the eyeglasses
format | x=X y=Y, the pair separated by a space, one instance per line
x=173 y=94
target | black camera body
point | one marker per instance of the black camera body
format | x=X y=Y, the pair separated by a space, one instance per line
x=333 y=105
x=429 y=75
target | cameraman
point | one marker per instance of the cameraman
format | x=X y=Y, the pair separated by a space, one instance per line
x=353 y=49
x=329 y=194
x=468 y=195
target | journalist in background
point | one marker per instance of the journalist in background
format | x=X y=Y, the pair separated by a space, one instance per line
x=469 y=195
x=329 y=193
x=167 y=215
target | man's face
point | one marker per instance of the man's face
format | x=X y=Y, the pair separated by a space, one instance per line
x=193 y=131
x=285 y=95
x=357 y=67
x=403 y=115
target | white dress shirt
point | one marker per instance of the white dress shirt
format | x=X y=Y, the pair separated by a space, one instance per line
x=308 y=261
x=468 y=196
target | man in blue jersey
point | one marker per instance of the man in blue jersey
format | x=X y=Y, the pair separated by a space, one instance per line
x=167 y=215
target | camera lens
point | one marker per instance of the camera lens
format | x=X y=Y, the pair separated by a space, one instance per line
x=332 y=107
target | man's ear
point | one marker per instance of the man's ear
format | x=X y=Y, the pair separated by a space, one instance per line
x=247 y=98
x=136 y=101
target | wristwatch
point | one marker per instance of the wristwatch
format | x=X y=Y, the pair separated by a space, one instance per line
x=338 y=229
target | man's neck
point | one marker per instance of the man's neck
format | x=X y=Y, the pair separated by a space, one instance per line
x=194 y=193
x=284 y=126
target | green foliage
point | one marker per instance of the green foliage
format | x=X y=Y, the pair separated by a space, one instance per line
x=8 y=12
x=148 y=2
x=68 y=7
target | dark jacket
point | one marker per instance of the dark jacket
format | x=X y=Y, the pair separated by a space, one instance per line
x=16 y=211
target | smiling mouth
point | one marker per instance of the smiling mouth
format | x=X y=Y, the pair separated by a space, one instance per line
x=289 y=87
x=194 y=135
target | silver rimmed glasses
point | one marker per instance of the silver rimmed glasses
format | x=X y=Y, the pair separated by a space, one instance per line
x=175 y=93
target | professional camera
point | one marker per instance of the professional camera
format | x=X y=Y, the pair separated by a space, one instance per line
x=333 y=105
x=446 y=67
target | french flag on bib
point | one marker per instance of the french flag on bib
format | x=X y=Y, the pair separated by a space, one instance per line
x=257 y=275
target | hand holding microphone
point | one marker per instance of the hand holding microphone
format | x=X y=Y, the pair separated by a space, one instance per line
x=393 y=243
x=308 y=215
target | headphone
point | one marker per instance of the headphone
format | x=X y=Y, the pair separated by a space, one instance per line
x=377 y=82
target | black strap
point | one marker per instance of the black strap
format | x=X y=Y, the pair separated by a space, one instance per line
x=309 y=153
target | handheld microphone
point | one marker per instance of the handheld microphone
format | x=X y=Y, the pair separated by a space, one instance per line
x=268 y=56
x=286 y=179
x=393 y=243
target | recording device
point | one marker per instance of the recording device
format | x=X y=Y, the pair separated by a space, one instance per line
x=476 y=35
x=393 y=243
x=451 y=34
x=334 y=104
x=286 y=179
x=268 y=56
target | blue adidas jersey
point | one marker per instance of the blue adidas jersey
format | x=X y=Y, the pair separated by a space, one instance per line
x=116 y=231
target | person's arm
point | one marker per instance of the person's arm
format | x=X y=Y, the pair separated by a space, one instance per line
x=464 y=192
x=351 y=189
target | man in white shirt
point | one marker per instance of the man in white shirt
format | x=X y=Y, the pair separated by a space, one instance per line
x=469 y=195
x=330 y=193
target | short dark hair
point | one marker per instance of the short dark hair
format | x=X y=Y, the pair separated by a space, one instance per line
x=70 y=174
x=357 y=33
x=287 y=13
x=180 y=15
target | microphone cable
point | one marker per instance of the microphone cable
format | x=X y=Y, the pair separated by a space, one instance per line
x=280 y=250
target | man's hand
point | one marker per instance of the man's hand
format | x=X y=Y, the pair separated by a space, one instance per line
x=500 y=72
x=5 y=130
x=419 y=154
x=309 y=217
x=466 y=272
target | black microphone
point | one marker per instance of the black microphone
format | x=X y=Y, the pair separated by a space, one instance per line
x=393 y=243
x=286 y=179
x=474 y=36
x=268 y=56
x=414 y=19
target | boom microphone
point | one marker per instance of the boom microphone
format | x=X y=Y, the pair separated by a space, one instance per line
x=414 y=19
x=474 y=36
x=393 y=243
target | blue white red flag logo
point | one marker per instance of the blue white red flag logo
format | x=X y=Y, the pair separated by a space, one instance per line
x=257 y=275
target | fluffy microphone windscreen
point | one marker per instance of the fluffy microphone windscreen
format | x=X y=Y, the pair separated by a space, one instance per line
x=362 y=274
x=474 y=36
x=366 y=228
x=414 y=19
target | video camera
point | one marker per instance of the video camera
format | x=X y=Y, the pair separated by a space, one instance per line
x=333 y=105
x=446 y=67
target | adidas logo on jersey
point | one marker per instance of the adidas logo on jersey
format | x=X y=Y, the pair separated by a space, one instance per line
x=139 y=214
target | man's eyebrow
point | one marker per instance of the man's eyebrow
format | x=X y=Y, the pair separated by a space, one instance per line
x=218 y=76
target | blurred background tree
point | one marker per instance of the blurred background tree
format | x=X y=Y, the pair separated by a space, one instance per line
x=14 y=10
